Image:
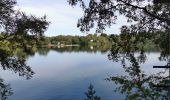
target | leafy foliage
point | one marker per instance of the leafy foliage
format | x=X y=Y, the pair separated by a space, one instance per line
x=14 y=22
x=5 y=90
x=90 y=94
x=137 y=84
x=89 y=40
x=144 y=15
x=18 y=32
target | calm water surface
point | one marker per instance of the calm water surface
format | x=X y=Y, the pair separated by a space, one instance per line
x=67 y=75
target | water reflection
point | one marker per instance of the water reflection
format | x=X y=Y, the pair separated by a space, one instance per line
x=137 y=85
x=91 y=94
x=90 y=49
x=5 y=90
x=13 y=60
x=18 y=66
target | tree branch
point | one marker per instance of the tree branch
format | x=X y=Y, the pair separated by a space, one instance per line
x=147 y=12
x=6 y=37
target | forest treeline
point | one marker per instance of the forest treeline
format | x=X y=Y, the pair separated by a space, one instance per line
x=88 y=40
x=115 y=43
x=94 y=41
x=144 y=40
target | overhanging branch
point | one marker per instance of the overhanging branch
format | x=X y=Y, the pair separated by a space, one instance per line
x=147 y=12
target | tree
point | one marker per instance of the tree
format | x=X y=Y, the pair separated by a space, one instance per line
x=138 y=85
x=5 y=90
x=90 y=94
x=147 y=16
x=14 y=22
x=18 y=31
x=103 y=34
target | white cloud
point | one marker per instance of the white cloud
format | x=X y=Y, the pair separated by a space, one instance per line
x=63 y=17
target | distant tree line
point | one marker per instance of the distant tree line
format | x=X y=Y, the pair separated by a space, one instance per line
x=141 y=40
x=136 y=40
x=89 y=40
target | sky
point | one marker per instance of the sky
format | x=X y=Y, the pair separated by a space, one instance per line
x=63 y=17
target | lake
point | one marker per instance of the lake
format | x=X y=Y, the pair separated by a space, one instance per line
x=67 y=75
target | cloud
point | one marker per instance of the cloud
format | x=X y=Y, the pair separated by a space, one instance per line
x=63 y=17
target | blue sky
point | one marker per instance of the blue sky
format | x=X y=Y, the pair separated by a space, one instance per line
x=62 y=16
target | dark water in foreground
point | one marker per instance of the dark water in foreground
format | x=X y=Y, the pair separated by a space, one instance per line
x=67 y=75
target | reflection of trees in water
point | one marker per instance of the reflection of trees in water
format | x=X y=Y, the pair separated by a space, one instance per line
x=13 y=59
x=137 y=84
x=44 y=50
x=17 y=32
x=18 y=66
x=91 y=94
x=90 y=49
x=5 y=90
